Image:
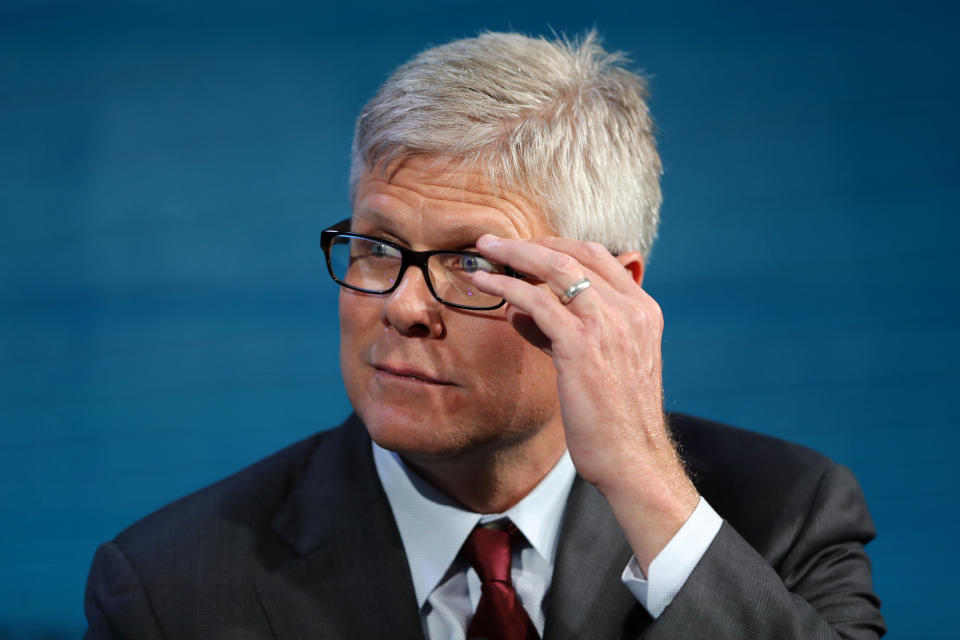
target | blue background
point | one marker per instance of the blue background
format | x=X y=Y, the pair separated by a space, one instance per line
x=165 y=317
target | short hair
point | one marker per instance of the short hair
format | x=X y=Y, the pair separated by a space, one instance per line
x=561 y=122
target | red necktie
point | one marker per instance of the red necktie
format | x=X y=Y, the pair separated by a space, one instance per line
x=499 y=616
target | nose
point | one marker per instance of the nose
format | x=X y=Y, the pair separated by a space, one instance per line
x=411 y=309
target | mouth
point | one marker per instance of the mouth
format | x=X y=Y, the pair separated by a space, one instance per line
x=409 y=374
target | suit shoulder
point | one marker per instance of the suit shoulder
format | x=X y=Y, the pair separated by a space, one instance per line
x=243 y=503
x=761 y=485
x=710 y=448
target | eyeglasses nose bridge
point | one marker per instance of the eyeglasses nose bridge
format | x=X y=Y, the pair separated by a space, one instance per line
x=420 y=261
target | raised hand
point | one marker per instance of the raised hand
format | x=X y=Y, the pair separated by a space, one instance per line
x=605 y=344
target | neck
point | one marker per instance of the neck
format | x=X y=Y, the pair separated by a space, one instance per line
x=493 y=479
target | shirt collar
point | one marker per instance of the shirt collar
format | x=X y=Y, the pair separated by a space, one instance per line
x=433 y=527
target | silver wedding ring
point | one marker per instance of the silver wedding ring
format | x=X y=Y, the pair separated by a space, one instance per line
x=574 y=290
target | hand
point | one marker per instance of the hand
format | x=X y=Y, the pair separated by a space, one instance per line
x=605 y=345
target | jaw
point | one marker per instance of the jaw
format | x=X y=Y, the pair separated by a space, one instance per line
x=491 y=476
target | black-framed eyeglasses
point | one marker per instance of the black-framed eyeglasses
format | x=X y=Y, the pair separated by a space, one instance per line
x=374 y=265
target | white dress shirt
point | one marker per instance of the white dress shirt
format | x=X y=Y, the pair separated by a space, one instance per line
x=433 y=528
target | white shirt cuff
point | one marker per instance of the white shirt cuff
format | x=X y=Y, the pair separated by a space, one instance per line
x=675 y=562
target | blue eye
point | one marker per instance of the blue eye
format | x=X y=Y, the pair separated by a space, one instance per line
x=378 y=250
x=470 y=263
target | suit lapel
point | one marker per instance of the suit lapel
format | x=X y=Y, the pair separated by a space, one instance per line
x=587 y=598
x=350 y=578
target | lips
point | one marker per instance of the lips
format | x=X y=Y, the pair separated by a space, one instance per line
x=410 y=373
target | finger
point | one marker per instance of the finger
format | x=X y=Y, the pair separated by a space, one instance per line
x=550 y=316
x=594 y=256
x=558 y=269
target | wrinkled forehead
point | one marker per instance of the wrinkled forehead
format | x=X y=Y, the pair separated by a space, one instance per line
x=429 y=196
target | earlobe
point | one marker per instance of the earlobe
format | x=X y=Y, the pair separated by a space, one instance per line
x=632 y=261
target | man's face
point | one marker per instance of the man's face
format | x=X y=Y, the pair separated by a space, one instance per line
x=429 y=380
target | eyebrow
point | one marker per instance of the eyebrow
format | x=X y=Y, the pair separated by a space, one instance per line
x=379 y=219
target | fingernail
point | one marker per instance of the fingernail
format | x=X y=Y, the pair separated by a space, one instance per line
x=487 y=239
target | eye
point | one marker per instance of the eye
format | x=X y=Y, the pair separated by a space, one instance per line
x=472 y=263
x=381 y=250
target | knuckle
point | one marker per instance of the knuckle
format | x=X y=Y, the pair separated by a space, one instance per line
x=648 y=307
x=596 y=250
x=647 y=314
x=654 y=320
x=593 y=322
x=542 y=297
x=656 y=312
x=562 y=264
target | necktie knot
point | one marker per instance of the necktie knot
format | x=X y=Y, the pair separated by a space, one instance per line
x=500 y=614
x=489 y=549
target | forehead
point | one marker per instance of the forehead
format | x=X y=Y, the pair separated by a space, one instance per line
x=431 y=199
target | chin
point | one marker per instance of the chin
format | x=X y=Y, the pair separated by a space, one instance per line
x=410 y=432
x=419 y=435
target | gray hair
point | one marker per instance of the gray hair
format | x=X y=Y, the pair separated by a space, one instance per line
x=560 y=122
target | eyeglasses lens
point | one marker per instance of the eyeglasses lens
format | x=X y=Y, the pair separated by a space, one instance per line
x=374 y=266
x=450 y=275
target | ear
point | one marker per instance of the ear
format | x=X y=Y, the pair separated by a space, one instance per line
x=632 y=261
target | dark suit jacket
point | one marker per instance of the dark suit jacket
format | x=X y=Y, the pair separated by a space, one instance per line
x=303 y=545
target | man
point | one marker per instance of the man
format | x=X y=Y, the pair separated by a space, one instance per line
x=509 y=472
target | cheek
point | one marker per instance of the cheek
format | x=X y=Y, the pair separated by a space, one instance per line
x=356 y=322
x=359 y=314
x=347 y=325
x=512 y=373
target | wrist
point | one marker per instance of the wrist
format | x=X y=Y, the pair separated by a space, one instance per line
x=651 y=510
